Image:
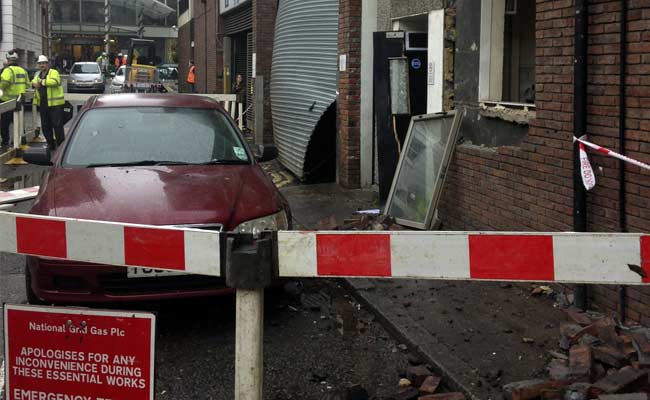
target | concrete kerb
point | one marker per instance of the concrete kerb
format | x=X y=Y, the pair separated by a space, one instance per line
x=401 y=326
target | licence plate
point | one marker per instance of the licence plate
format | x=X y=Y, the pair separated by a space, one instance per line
x=149 y=273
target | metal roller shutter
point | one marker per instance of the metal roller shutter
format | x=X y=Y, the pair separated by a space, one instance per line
x=304 y=74
x=238 y=21
x=250 y=82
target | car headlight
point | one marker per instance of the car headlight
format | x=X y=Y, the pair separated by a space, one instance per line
x=98 y=81
x=71 y=81
x=273 y=222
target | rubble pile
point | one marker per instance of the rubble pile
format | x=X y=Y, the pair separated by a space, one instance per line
x=598 y=358
x=361 y=223
x=418 y=383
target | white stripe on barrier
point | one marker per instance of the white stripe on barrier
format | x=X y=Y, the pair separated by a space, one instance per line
x=423 y=255
x=7 y=232
x=202 y=252
x=297 y=252
x=95 y=242
x=596 y=258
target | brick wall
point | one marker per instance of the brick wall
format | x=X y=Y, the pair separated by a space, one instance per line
x=348 y=103
x=184 y=55
x=530 y=187
x=207 y=52
x=264 y=13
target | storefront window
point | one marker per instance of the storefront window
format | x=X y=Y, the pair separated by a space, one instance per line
x=65 y=11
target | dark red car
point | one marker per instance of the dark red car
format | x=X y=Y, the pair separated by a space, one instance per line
x=175 y=160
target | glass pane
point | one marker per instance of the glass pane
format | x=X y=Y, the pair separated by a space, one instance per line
x=419 y=169
x=65 y=11
x=128 y=135
x=92 y=12
x=122 y=15
x=85 y=69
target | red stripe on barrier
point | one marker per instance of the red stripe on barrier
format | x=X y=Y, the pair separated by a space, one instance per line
x=645 y=257
x=511 y=257
x=353 y=255
x=41 y=237
x=157 y=248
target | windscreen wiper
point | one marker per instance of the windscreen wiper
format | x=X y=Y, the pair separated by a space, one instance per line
x=225 y=162
x=137 y=163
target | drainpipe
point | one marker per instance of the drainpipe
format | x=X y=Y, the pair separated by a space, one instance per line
x=580 y=129
x=622 y=290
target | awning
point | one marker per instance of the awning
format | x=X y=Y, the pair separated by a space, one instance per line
x=151 y=8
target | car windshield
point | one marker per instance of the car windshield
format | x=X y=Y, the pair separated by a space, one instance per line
x=85 y=69
x=120 y=72
x=154 y=136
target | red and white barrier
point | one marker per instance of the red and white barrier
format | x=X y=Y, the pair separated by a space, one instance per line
x=611 y=153
x=14 y=196
x=177 y=249
x=559 y=257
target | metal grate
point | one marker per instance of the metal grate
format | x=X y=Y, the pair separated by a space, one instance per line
x=250 y=83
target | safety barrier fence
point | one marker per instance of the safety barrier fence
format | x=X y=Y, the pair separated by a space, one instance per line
x=249 y=262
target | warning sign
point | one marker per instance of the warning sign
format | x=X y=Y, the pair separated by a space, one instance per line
x=78 y=354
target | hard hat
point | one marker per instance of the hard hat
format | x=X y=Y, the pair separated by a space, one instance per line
x=119 y=54
x=103 y=53
x=12 y=55
x=42 y=59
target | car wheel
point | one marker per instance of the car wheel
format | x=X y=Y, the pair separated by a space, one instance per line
x=31 y=296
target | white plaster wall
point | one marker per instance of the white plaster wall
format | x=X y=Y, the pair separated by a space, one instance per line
x=21 y=28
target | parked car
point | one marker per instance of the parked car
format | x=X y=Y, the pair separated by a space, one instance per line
x=157 y=159
x=167 y=72
x=86 y=77
x=117 y=83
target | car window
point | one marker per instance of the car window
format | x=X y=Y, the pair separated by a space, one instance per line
x=85 y=69
x=120 y=72
x=131 y=135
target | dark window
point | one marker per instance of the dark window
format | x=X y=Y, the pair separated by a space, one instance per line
x=65 y=11
x=122 y=15
x=92 y=12
x=183 y=5
x=519 y=52
x=85 y=69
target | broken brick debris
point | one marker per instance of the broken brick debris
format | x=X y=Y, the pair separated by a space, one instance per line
x=443 y=396
x=525 y=390
x=626 y=396
x=627 y=379
x=580 y=363
x=430 y=385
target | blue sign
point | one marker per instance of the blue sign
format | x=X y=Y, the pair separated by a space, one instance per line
x=416 y=63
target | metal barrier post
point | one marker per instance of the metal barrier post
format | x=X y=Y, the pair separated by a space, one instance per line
x=21 y=121
x=249 y=264
x=16 y=128
x=249 y=334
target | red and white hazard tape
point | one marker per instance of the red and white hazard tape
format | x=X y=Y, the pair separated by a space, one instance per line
x=177 y=249
x=611 y=153
x=18 y=195
x=561 y=257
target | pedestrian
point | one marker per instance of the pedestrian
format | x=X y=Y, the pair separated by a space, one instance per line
x=49 y=98
x=118 y=61
x=191 y=76
x=13 y=82
x=238 y=89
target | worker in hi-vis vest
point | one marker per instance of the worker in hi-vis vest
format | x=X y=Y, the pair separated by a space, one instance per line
x=13 y=82
x=49 y=99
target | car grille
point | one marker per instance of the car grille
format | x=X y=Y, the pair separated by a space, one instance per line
x=119 y=284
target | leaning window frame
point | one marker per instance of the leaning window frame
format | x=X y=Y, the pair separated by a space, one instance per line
x=490 y=82
x=442 y=172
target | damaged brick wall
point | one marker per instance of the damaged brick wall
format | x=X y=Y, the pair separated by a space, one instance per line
x=530 y=187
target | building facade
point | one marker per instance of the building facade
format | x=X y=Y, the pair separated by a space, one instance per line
x=78 y=28
x=25 y=29
x=226 y=38
x=511 y=65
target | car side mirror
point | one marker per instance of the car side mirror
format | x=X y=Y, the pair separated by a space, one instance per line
x=38 y=156
x=112 y=74
x=266 y=152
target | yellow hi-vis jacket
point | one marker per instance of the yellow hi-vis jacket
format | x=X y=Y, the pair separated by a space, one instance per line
x=13 y=82
x=54 y=89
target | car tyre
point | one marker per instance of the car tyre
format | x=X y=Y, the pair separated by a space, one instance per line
x=32 y=298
